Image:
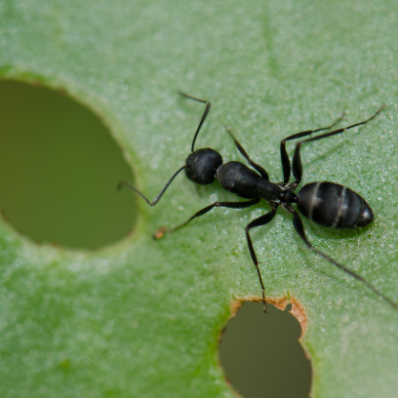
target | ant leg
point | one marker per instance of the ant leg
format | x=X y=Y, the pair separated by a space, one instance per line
x=232 y=205
x=298 y=167
x=256 y=166
x=284 y=156
x=258 y=222
x=298 y=225
x=156 y=200
x=205 y=113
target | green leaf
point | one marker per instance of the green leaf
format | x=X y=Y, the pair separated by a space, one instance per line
x=143 y=317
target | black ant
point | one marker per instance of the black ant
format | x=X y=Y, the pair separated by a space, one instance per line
x=326 y=203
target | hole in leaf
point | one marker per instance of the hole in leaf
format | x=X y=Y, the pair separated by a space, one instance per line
x=261 y=355
x=59 y=169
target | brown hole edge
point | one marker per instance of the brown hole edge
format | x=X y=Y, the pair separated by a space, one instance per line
x=297 y=309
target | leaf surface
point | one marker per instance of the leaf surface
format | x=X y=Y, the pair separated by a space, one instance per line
x=143 y=317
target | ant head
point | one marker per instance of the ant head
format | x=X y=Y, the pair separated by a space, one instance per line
x=202 y=164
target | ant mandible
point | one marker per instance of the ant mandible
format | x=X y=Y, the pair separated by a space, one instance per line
x=326 y=203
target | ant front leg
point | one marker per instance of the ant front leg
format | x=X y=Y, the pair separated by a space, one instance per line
x=231 y=205
x=285 y=157
x=256 y=166
x=258 y=222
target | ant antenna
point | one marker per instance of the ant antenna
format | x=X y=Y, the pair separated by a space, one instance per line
x=156 y=200
x=205 y=113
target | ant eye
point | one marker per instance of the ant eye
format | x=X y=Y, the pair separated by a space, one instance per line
x=201 y=165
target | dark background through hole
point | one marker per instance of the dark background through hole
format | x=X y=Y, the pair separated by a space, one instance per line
x=59 y=168
x=261 y=355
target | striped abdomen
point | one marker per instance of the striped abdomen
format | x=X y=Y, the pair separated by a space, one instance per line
x=334 y=205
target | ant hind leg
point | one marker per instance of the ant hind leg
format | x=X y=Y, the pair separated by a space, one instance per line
x=298 y=167
x=298 y=225
x=285 y=157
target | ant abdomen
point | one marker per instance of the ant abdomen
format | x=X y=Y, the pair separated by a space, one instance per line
x=202 y=164
x=334 y=205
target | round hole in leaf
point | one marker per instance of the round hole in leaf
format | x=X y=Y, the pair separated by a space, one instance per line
x=261 y=354
x=59 y=170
